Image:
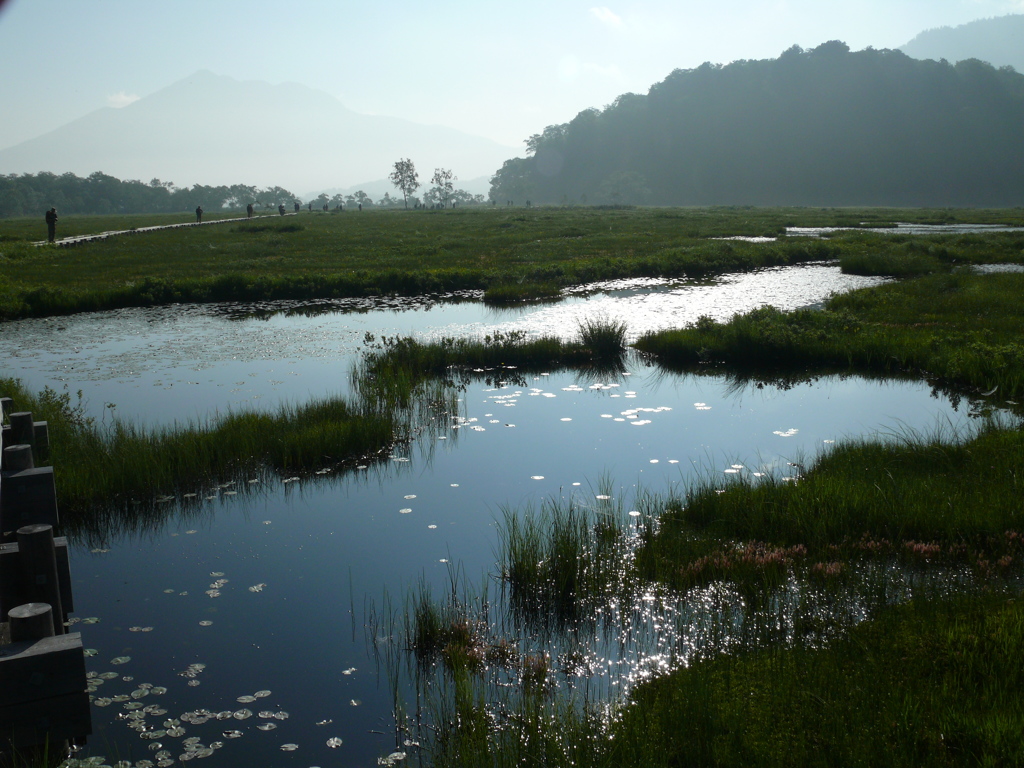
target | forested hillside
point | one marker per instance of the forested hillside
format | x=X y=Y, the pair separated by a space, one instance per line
x=998 y=41
x=820 y=127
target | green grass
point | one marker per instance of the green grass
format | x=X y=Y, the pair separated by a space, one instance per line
x=558 y=562
x=928 y=683
x=961 y=328
x=512 y=293
x=117 y=476
x=423 y=252
x=600 y=344
x=932 y=682
x=606 y=338
x=915 y=500
x=905 y=255
x=923 y=684
x=890 y=264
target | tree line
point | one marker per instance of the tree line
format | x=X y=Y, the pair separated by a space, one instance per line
x=407 y=179
x=30 y=194
x=820 y=127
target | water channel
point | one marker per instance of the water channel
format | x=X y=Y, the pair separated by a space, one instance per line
x=252 y=602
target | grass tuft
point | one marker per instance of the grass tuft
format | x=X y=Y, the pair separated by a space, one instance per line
x=605 y=337
x=512 y=293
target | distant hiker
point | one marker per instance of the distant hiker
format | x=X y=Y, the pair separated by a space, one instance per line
x=280 y=209
x=326 y=207
x=297 y=206
x=248 y=211
x=360 y=206
x=199 y=214
x=51 y=225
x=310 y=207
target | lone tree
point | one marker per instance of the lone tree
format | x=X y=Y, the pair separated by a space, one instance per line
x=405 y=178
x=442 y=181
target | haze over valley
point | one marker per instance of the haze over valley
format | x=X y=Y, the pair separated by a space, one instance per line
x=214 y=129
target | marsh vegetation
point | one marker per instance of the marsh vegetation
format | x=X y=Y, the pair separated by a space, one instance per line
x=893 y=558
x=412 y=253
x=757 y=616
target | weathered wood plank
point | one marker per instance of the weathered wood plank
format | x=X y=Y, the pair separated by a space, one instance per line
x=54 y=719
x=12 y=592
x=53 y=666
x=27 y=498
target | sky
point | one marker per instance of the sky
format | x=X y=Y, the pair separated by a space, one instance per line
x=503 y=69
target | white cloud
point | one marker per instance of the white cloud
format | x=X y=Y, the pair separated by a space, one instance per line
x=606 y=16
x=121 y=99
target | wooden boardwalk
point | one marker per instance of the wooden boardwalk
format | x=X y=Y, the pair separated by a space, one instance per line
x=44 y=701
x=78 y=239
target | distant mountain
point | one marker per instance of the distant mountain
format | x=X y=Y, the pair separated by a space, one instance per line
x=998 y=41
x=214 y=130
x=819 y=127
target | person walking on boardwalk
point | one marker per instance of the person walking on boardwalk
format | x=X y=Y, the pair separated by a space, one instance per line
x=51 y=225
x=199 y=214
x=248 y=211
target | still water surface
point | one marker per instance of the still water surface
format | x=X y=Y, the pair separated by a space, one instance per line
x=184 y=362
x=265 y=587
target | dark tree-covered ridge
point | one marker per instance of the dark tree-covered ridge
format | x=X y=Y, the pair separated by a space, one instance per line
x=821 y=127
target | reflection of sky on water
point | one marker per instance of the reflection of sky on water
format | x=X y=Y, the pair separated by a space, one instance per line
x=907 y=229
x=184 y=362
x=327 y=549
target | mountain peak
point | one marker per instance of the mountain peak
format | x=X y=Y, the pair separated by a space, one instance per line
x=213 y=129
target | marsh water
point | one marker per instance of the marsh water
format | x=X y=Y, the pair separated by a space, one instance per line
x=254 y=601
x=187 y=362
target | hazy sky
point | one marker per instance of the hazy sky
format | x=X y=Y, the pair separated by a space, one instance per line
x=498 y=68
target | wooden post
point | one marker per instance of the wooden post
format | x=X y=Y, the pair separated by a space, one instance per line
x=22 y=432
x=40 y=435
x=43 y=700
x=39 y=569
x=27 y=497
x=31 y=622
x=12 y=582
x=17 y=458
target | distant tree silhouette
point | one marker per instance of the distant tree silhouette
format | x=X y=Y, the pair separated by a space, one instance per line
x=443 y=181
x=404 y=177
x=27 y=194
